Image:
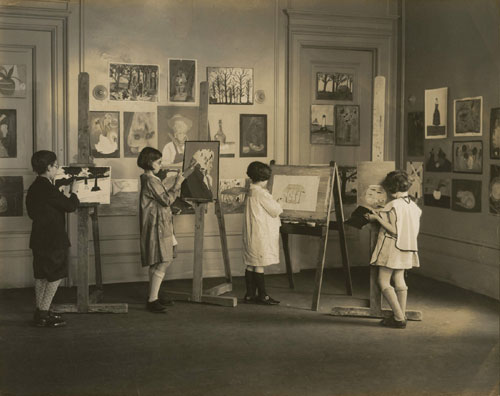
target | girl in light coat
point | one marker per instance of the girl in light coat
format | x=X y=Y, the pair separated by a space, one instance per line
x=260 y=233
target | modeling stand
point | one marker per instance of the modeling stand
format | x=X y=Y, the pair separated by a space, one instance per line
x=213 y=295
x=86 y=303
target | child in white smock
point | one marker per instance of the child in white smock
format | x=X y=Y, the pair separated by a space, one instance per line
x=396 y=249
x=260 y=233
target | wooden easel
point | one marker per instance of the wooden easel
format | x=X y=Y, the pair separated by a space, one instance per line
x=87 y=303
x=320 y=229
x=213 y=295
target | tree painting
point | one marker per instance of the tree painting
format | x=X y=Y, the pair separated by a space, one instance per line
x=334 y=86
x=131 y=82
x=230 y=85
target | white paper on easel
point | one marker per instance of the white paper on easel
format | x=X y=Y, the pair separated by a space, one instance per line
x=378 y=119
x=296 y=192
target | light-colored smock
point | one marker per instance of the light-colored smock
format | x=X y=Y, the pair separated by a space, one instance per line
x=155 y=219
x=261 y=228
x=399 y=251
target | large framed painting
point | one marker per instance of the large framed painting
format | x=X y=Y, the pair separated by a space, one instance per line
x=230 y=85
x=468 y=156
x=468 y=116
x=494 y=189
x=334 y=86
x=437 y=191
x=322 y=124
x=104 y=134
x=347 y=125
x=183 y=81
x=8 y=133
x=134 y=82
x=12 y=81
x=253 y=135
x=436 y=113
x=416 y=134
x=466 y=195
x=203 y=183
x=495 y=133
x=11 y=196
x=139 y=131
x=93 y=183
x=438 y=155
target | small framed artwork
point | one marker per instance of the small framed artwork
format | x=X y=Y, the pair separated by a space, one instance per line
x=495 y=133
x=334 y=86
x=223 y=127
x=437 y=191
x=12 y=81
x=182 y=77
x=133 y=82
x=347 y=125
x=466 y=195
x=11 y=196
x=253 y=135
x=436 y=113
x=8 y=133
x=416 y=134
x=494 y=189
x=438 y=156
x=468 y=156
x=203 y=183
x=232 y=194
x=93 y=182
x=139 y=131
x=468 y=116
x=322 y=129
x=104 y=134
x=230 y=85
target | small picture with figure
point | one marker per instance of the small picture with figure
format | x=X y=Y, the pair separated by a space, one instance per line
x=182 y=77
x=253 y=135
x=322 y=124
x=347 y=125
x=8 y=133
x=104 y=129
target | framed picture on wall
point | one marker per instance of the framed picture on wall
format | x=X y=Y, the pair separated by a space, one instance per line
x=133 y=82
x=466 y=195
x=334 y=86
x=495 y=133
x=8 y=133
x=139 y=131
x=11 y=196
x=253 y=135
x=322 y=124
x=104 y=129
x=182 y=78
x=494 y=189
x=230 y=85
x=13 y=81
x=347 y=125
x=437 y=191
x=436 y=113
x=468 y=116
x=468 y=156
x=438 y=156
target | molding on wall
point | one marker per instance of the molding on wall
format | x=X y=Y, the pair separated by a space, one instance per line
x=38 y=7
x=464 y=241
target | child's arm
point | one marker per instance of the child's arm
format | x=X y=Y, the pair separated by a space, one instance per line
x=389 y=225
x=59 y=201
x=161 y=194
x=270 y=205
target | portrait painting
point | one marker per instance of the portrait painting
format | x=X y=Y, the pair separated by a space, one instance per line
x=495 y=133
x=133 y=82
x=104 y=127
x=253 y=135
x=93 y=183
x=8 y=133
x=182 y=77
x=139 y=131
x=203 y=183
x=334 y=86
x=11 y=196
x=176 y=125
x=223 y=127
x=494 y=189
x=322 y=124
x=437 y=191
x=124 y=200
x=371 y=174
x=468 y=156
x=349 y=184
x=232 y=194
x=415 y=170
x=436 y=113
x=438 y=156
x=416 y=134
x=466 y=195
x=12 y=81
x=230 y=85
x=347 y=125
x=468 y=116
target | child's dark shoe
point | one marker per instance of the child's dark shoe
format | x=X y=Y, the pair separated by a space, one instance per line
x=393 y=323
x=165 y=301
x=267 y=300
x=248 y=299
x=43 y=319
x=155 y=306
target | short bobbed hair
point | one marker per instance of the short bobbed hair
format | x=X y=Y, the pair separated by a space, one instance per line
x=396 y=181
x=258 y=171
x=147 y=156
x=41 y=160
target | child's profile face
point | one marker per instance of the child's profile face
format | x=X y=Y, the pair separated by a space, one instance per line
x=156 y=165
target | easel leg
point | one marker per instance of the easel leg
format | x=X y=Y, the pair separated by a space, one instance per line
x=223 y=242
x=82 y=298
x=199 y=229
x=319 y=269
x=288 y=262
x=97 y=295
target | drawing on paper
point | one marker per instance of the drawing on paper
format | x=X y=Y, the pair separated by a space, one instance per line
x=436 y=113
x=468 y=118
x=437 y=191
x=93 y=183
x=296 y=192
x=322 y=128
x=232 y=194
x=347 y=125
x=224 y=128
x=230 y=85
x=466 y=195
x=13 y=81
x=104 y=134
x=139 y=131
x=334 y=86
x=495 y=133
x=468 y=157
x=182 y=79
x=134 y=83
x=438 y=156
x=8 y=133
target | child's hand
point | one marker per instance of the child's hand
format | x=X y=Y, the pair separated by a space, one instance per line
x=371 y=216
x=73 y=187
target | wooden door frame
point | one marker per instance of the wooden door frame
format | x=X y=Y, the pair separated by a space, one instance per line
x=377 y=35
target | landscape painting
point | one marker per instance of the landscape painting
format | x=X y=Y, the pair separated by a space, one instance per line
x=134 y=82
x=322 y=128
x=230 y=85
x=334 y=86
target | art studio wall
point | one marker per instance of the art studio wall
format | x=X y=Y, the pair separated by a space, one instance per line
x=457 y=48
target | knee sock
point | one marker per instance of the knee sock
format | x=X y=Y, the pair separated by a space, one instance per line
x=261 y=284
x=48 y=295
x=402 y=294
x=392 y=299
x=40 y=285
x=250 y=283
x=154 y=286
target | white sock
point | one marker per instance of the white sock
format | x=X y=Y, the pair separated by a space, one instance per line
x=155 y=284
x=40 y=285
x=50 y=291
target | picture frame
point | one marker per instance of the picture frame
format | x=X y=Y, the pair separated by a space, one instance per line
x=436 y=113
x=203 y=184
x=11 y=196
x=334 y=86
x=437 y=190
x=494 y=189
x=466 y=195
x=347 y=125
x=468 y=116
x=139 y=131
x=468 y=156
x=230 y=86
x=104 y=130
x=438 y=155
x=183 y=82
x=8 y=133
x=495 y=133
x=93 y=182
x=322 y=124
x=13 y=81
x=253 y=135
x=133 y=82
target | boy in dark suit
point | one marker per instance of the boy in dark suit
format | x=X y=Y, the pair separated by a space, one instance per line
x=47 y=207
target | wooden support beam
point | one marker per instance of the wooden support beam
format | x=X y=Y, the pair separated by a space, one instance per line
x=92 y=308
